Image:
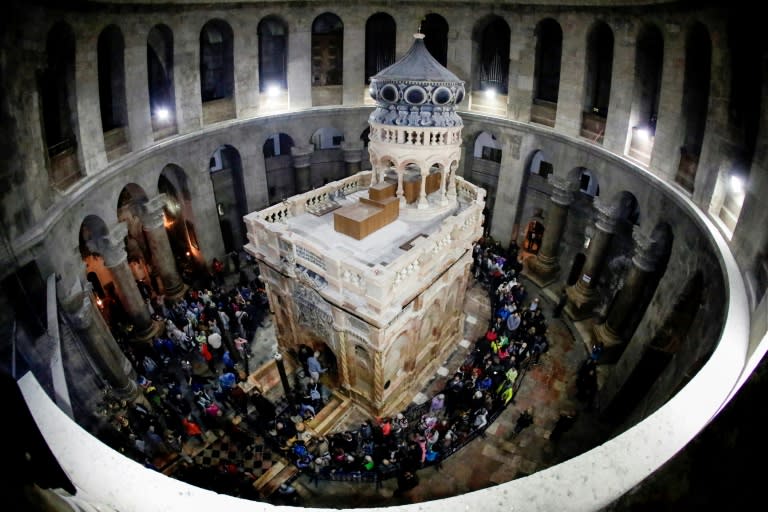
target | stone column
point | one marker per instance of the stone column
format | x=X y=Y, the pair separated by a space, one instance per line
x=136 y=88
x=545 y=266
x=186 y=78
x=665 y=157
x=630 y=301
x=583 y=296
x=400 y=192
x=622 y=81
x=246 y=49
x=302 y=167
x=112 y=248
x=153 y=220
x=353 y=73
x=522 y=61
x=452 y=181
x=102 y=349
x=352 y=156
x=90 y=137
x=570 y=98
x=299 y=63
x=423 y=203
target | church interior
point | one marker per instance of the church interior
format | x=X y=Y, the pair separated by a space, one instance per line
x=244 y=244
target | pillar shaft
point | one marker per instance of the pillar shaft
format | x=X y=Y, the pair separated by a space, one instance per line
x=352 y=156
x=163 y=261
x=111 y=247
x=544 y=267
x=100 y=345
x=631 y=300
x=302 y=167
x=583 y=296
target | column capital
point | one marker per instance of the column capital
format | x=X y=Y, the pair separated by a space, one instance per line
x=562 y=190
x=153 y=213
x=301 y=155
x=607 y=215
x=645 y=258
x=79 y=309
x=352 y=151
x=111 y=246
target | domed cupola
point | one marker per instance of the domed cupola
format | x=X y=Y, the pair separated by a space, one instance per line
x=416 y=91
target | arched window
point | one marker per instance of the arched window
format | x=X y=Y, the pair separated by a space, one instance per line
x=273 y=54
x=57 y=92
x=162 y=99
x=216 y=61
x=110 y=51
x=435 y=30
x=327 y=50
x=698 y=63
x=493 y=69
x=380 y=32
x=549 y=49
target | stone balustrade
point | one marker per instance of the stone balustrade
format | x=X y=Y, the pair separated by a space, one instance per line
x=444 y=136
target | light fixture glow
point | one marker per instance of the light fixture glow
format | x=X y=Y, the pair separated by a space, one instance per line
x=490 y=93
x=273 y=91
x=162 y=114
x=642 y=132
x=737 y=184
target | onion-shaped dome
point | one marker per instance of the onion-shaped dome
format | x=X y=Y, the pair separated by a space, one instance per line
x=416 y=91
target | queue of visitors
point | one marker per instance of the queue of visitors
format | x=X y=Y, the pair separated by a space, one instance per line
x=189 y=377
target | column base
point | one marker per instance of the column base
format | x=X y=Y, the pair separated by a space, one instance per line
x=613 y=345
x=148 y=334
x=177 y=292
x=581 y=302
x=605 y=334
x=129 y=392
x=542 y=272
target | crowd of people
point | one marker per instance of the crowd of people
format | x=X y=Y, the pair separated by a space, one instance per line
x=189 y=376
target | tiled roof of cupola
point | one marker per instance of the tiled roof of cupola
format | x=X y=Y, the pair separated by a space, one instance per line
x=416 y=91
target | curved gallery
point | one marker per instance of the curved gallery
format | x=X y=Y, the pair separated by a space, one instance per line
x=612 y=475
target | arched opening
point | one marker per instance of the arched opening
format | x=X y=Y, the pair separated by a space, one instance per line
x=278 y=164
x=130 y=206
x=162 y=98
x=112 y=101
x=273 y=55
x=649 y=59
x=492 y=70
x=435 y=30
x=365 y=162
x=380 y=30
x=534 y=232
x=327 y=59
x=328 y=158
x=597 y=82
x=490 y=65
x=698 y=64
x=748 y=79
x=179 y=222
x=92 y=230
x=229 y=192
x=546 y=75
x=217 y=72
x=56 y=84
x=486 y=165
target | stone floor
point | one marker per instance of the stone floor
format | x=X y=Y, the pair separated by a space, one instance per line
x=549 y=388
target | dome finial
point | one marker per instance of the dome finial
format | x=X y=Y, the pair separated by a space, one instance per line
x=418 y=34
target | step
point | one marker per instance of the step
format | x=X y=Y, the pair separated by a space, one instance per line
x=329 y=415
x=270 y=481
